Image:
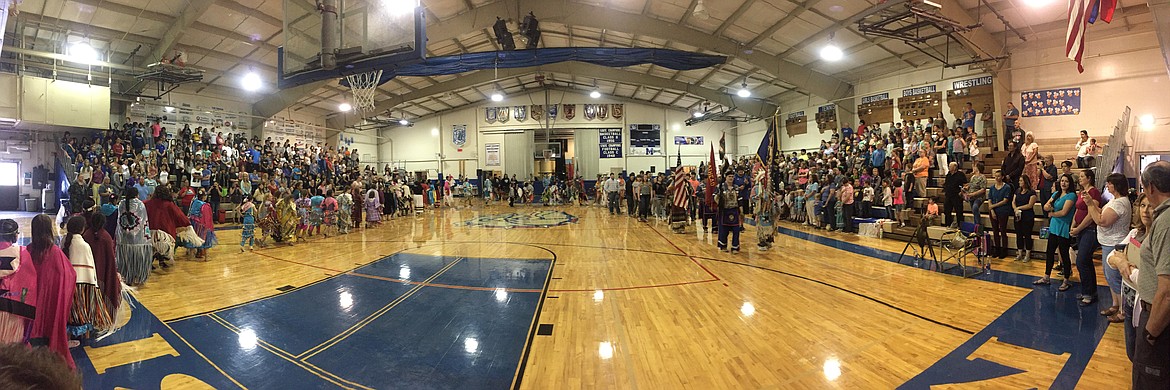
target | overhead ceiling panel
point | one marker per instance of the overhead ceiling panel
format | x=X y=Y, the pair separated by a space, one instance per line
x=795 y=31
x=670 y=10
x=445 y=9
x=842 y=9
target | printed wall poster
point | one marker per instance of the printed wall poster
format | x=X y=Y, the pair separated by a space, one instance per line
x=492 y=154
x=1051 y=102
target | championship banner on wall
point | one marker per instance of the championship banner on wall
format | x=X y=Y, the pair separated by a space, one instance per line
x=459 y=135
x=570 y=111
x=492 y=154
x=590 y=111
x=1051 y=102
x=552 y=112
x=688 y=140
x=537 y=112
x=490 y=115
x=602 y=111
x=504 y=113
x=520 y=113
x=619 y=110
x=610 y=142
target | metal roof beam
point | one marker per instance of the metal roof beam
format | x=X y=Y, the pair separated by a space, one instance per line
x=579 y=14
x=749 y=106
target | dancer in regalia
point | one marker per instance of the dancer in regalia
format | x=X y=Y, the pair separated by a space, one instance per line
x=55 y=283
x=105 y=263
x=729 y=217
x=135 y=251
x=247 y=212
x=88 y=312
x=204 y=225
x=18 y=276
x=286 y=219
x=765 y=213
x=681 y=191
x=373 y=208
x=345 y=215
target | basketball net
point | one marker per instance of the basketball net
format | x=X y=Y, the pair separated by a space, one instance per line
x=364 y=86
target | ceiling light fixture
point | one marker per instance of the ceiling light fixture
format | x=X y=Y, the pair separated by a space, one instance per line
x=743 y=91
x=595 y=94
x=403 y=122
x=344 y=107
x=399 y=7
x=251 y=81
x=497 y=97
x=169 y=109
x=697 y=114
x=83 y=53
x=1146 y=120
x=701 y=11
x=831 y=52
x=1037 y=3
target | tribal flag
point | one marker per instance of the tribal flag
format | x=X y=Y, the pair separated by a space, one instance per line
x=1074 y=37
x=1107 y=8
x=712 y=181
x=765 y=149
x=723 y=147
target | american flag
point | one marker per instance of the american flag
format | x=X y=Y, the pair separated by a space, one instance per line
x=682 y=193
x=1074 y=38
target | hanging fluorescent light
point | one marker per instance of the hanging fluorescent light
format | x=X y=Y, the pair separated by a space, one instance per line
x=344 y=107
x=251 y=81
x=697 y=114
x=403 y=122
x=83 y=53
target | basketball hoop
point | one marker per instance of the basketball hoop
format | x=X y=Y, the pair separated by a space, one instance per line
x=364 y=86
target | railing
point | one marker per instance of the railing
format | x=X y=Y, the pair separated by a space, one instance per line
x=1113 y=149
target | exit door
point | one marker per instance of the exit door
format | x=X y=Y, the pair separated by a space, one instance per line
x=9 y=186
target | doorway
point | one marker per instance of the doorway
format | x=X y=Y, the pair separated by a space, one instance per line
x=9 y=185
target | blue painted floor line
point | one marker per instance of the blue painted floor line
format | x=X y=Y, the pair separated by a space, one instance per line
x=352 y=331
x=1044 y=320
x=148 y=374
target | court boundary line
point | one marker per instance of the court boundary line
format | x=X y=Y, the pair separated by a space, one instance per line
x=440 y=285
x=518 y=377
x=189 y=345
x=329 y=376
x=309 y=353
x=322 y=280
x=827 y=284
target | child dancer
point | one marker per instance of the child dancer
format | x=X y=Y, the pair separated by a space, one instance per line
x=247 y=212
x=345 y=217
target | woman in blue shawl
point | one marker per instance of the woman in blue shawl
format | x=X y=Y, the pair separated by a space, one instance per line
x=203 y=224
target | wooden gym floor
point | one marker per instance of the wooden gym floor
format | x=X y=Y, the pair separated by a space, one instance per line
x=571 y=297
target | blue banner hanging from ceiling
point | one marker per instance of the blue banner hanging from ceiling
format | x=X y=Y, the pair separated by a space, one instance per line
x=615 y=57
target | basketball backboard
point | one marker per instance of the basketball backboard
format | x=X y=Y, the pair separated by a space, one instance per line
x=372 y=34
